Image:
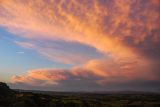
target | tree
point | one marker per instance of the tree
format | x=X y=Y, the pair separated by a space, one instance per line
x=4 y=89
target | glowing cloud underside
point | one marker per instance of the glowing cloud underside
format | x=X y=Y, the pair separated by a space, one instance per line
x=126 y=32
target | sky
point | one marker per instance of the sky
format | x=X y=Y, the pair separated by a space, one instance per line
x=80 y=45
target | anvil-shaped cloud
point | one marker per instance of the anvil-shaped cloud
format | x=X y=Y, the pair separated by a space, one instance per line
x=125 y=32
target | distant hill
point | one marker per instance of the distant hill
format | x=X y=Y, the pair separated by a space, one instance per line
x=84 y=92
x=33 y=98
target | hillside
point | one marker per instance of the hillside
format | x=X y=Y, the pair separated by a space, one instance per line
x=21 y=98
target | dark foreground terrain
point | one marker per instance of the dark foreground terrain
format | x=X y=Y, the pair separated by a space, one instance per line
x=19 y=98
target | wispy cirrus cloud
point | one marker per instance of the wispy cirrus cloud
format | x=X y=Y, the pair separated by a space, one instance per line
x=20 y=52
x=61 y=51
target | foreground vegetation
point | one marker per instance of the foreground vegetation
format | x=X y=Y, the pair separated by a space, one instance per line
x=10 y=98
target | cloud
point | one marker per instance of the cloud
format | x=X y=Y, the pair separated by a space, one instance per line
x=45 y=76
x=124 y=32
x=96 y=73
x=107 y=28
x=50 y=23
x=61 y=51
x=20 y=52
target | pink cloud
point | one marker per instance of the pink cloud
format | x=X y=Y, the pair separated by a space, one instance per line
x=47 y=76
x=73 y=28
x=126 y=32
x=98 y=71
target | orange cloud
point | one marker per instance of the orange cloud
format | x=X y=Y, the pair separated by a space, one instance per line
x=61 y=23
x=112 y=69
x=124 y=31
x=99 y=72
x=48 y=76
x=102 y=27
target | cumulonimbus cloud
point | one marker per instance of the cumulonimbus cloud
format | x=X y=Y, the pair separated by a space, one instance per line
x=126 y=32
